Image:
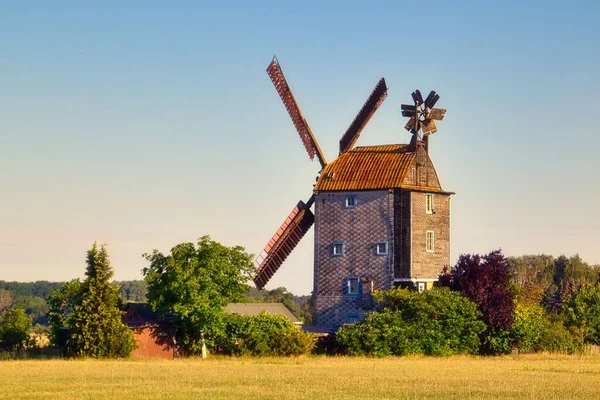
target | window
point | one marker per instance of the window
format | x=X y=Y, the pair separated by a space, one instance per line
x=352 y=286
x=429 y=203
x=381 y=248
x=421 y=286
x=350 y=201
x=352 y=318
x=429 y=242
x=337 y=249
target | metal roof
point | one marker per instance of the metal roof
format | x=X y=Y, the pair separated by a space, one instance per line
x=367 y=168
x=254 y=309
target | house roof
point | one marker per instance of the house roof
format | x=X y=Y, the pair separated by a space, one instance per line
x=254 y=309
x=147 y=316
x=144 y=311
x=367 y=168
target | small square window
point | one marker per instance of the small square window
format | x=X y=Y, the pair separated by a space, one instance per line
x=352 y=319
x=352 y=286
x=337 y=249
x=381 y=248
x=429 y=241
x=429 y=203
x=350 y=201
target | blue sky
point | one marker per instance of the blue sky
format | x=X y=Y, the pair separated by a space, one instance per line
x=145 y=124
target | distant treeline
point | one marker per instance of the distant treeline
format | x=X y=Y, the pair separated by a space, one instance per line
x=556 y=277
x=32 y=296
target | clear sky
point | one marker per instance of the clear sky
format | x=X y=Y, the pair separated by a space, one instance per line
x=145 y=124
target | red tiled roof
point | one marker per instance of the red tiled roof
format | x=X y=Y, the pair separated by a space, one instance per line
x=367 y=168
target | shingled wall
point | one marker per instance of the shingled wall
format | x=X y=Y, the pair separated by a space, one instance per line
x=360 y=228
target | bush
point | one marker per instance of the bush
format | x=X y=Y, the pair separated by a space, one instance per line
x=555 y=338
x=534 y=330
x=263 y=335
x=437 y=322
x=529 y=322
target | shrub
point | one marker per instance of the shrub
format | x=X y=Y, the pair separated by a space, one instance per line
x=529 y=322
x=263 y=335
x=437 y=322
x=534 y=330
x=555 y=338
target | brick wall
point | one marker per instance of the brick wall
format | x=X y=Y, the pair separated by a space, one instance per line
x=429 y=265
x=359 y=228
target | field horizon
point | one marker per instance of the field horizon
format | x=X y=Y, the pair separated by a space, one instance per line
x=533 y=376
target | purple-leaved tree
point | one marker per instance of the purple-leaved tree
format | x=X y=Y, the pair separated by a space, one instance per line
x=485 y=280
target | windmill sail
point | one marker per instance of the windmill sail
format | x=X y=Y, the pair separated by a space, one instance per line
x=283 y=242
x=308 y=139
x=377 y=97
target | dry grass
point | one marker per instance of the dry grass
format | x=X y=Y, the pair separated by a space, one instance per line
x=529 y=377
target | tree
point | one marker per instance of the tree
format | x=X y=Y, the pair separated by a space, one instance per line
x=582 y=311
x=134 y=291
x=193 y=284
x=61 y=304
x=5 y=299
x=15 y=327
x=486 y=281
x=96 y=329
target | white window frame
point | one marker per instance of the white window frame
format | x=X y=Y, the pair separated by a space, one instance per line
x=421 y=286
x=385 y=251
x=347 y=201
x=348 y=286
x=429 y=243
x=429 y=204
x=335 y=246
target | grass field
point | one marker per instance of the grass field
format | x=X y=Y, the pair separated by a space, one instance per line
x=516 y=377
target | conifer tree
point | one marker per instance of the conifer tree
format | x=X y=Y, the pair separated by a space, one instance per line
x=95 y=323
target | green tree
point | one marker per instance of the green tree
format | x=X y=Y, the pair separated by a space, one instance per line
x=61 y=304
x=582 y=311
x=35 y=306
x=15 y=327
x=194 y=283
x=134 y=291
x=95 y=322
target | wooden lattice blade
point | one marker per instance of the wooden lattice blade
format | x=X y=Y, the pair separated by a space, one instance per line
x=377 y=97
x=285 y=239
x=312 y=147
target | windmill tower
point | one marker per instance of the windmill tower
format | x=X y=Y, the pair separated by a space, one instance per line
x=381 y=217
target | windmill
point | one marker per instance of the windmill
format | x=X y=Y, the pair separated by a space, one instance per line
x=381 y=217
x=301 y=218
